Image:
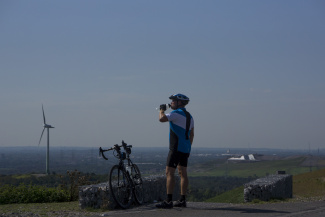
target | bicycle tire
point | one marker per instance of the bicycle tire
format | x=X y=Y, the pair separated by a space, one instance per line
x=138 y=184
x=120 y=187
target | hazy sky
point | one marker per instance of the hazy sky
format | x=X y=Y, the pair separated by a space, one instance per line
x=254 y=71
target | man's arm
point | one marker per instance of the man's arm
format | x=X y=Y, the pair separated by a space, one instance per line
x=192 y=135
x=162 y=116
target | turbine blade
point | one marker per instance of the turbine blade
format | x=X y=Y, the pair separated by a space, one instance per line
x=43 y=114
x=41 y=137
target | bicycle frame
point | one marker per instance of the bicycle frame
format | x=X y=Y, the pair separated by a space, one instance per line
x=129 y=171
x=120 y=155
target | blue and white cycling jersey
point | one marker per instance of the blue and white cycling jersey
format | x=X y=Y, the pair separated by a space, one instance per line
x=177 y=138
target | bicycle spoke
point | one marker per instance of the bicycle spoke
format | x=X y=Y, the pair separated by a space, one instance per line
x=120 y=187
x=137 y=180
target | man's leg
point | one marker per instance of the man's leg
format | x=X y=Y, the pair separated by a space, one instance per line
x=170 y=173
x=170 y=183
x=184 y=183
x=184 y=179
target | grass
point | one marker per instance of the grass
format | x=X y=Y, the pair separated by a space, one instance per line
x=22 y=176
x=234 y=196
x=310 y=184
x=47 y=209
x=251 y=169
x=307 y=186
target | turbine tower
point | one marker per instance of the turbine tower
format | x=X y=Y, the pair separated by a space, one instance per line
x=46 y=126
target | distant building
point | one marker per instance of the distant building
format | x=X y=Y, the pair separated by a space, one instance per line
x=249 y=157
x=241 y=158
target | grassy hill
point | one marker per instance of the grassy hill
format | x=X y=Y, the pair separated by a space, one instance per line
x=306 y=186
x=309 y=185
x=293 y=166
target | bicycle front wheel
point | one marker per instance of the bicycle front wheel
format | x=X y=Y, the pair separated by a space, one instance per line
x=120 y=187
x=137 y=180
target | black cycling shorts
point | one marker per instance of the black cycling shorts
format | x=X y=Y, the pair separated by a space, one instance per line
x=176 y=158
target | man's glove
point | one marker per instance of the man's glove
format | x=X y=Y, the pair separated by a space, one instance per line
x=163 y=107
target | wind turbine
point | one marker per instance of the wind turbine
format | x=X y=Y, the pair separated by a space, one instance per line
x=46 y=126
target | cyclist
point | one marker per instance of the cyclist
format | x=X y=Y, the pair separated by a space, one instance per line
x=180 y=141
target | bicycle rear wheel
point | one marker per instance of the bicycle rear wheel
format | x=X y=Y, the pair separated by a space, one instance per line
x=120 y=187
x=138 y=188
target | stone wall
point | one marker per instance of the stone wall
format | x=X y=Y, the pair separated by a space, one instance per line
x=271 y=187
x=98 y=196
x=277 y=186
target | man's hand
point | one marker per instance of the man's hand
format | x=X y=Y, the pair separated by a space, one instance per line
x=162 y=116
x=163 y=107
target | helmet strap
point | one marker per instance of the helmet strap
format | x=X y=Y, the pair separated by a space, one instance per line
x=178 y=105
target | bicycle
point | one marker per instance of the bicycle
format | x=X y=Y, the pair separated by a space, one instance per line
x=125 y=180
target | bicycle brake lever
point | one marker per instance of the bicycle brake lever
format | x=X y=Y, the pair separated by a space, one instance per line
x=101 y=153
x=104 y=157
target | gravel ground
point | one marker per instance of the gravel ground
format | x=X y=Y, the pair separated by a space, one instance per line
x=295 y=207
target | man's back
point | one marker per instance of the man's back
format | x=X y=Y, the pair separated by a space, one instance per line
x=178 y=139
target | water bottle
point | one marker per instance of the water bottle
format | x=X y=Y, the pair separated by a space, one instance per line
x=167 y=106
x=128 y=169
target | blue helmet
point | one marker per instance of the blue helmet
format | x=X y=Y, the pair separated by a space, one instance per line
x=180 y=97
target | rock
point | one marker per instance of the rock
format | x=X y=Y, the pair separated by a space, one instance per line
x=98 y=196
x=271 y=187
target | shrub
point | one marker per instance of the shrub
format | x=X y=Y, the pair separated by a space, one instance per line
x=31 y=194
x=71 y=183
x=50 y=188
